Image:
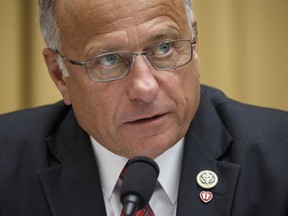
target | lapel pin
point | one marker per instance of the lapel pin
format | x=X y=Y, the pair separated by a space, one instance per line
x=206 y=196
x=206 y=179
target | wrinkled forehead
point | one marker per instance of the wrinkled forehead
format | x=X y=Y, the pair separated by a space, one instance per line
x=79 y=20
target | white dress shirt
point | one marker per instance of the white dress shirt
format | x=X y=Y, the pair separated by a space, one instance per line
x=164 y=198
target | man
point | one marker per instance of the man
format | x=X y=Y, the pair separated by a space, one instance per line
x=128 y=74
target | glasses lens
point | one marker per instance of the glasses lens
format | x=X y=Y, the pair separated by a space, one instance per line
x=170 y=55
x=164 y=56
x=109 y=66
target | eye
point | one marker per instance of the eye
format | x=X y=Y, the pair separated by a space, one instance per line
x=162 y=49
x=108 y=60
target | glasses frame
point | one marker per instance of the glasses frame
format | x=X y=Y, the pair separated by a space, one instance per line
x=143 y=53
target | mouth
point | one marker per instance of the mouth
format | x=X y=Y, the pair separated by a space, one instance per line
x=153 y=118
x=147 y=119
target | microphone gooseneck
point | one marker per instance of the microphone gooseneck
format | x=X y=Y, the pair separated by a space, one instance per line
x=138 y=184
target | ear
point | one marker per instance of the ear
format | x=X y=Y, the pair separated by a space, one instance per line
x=56 y=74
x=195 y=30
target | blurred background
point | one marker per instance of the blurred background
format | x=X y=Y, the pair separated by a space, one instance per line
x=243 y=49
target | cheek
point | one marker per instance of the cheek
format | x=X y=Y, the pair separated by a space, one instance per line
x=91 y=106
x=187 y=93
x=192 y=92
x=93 y=117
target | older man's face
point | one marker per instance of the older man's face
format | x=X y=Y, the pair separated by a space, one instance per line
x=146 y=112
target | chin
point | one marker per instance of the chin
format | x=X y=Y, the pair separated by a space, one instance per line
x=153 y=148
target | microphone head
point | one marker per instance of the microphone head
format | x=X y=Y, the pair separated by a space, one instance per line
x=139 y=181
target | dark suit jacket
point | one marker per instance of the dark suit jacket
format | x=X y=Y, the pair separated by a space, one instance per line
x=47 y=166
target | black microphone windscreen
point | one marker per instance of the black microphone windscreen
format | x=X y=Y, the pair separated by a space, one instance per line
x=140 y=180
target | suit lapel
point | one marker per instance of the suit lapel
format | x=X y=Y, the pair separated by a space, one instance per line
x=73 y=186
x=205 y=144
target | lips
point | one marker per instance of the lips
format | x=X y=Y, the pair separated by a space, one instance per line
x=141 y=120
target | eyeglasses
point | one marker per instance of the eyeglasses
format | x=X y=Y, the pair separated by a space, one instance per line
x=116 y=65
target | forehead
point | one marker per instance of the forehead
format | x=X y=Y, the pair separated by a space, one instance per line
x=80 y=20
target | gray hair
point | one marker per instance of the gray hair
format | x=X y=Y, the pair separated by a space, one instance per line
x=51 y=33
x=48 y=25
x=190 y=16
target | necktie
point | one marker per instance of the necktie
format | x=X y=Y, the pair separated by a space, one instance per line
x=146 y=211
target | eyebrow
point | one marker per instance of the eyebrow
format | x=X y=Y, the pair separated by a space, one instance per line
x=151 y=39
x=165 y=34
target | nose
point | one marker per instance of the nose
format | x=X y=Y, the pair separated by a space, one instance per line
x=143 y=86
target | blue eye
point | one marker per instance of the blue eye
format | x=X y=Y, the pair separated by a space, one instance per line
x=108 y=60
x=165 y=47
x=162 y=49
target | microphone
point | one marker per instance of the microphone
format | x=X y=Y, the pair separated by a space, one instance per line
x=138 y=184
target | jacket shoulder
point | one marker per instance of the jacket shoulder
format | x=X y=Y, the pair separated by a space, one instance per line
x=237 y=114
x=245 y=122
x=252 y=128
x=30 y=125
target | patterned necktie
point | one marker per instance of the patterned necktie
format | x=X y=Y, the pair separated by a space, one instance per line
x=146 y=211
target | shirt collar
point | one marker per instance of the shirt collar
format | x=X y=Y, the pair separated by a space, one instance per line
x=170 y=163
x=110 y=166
